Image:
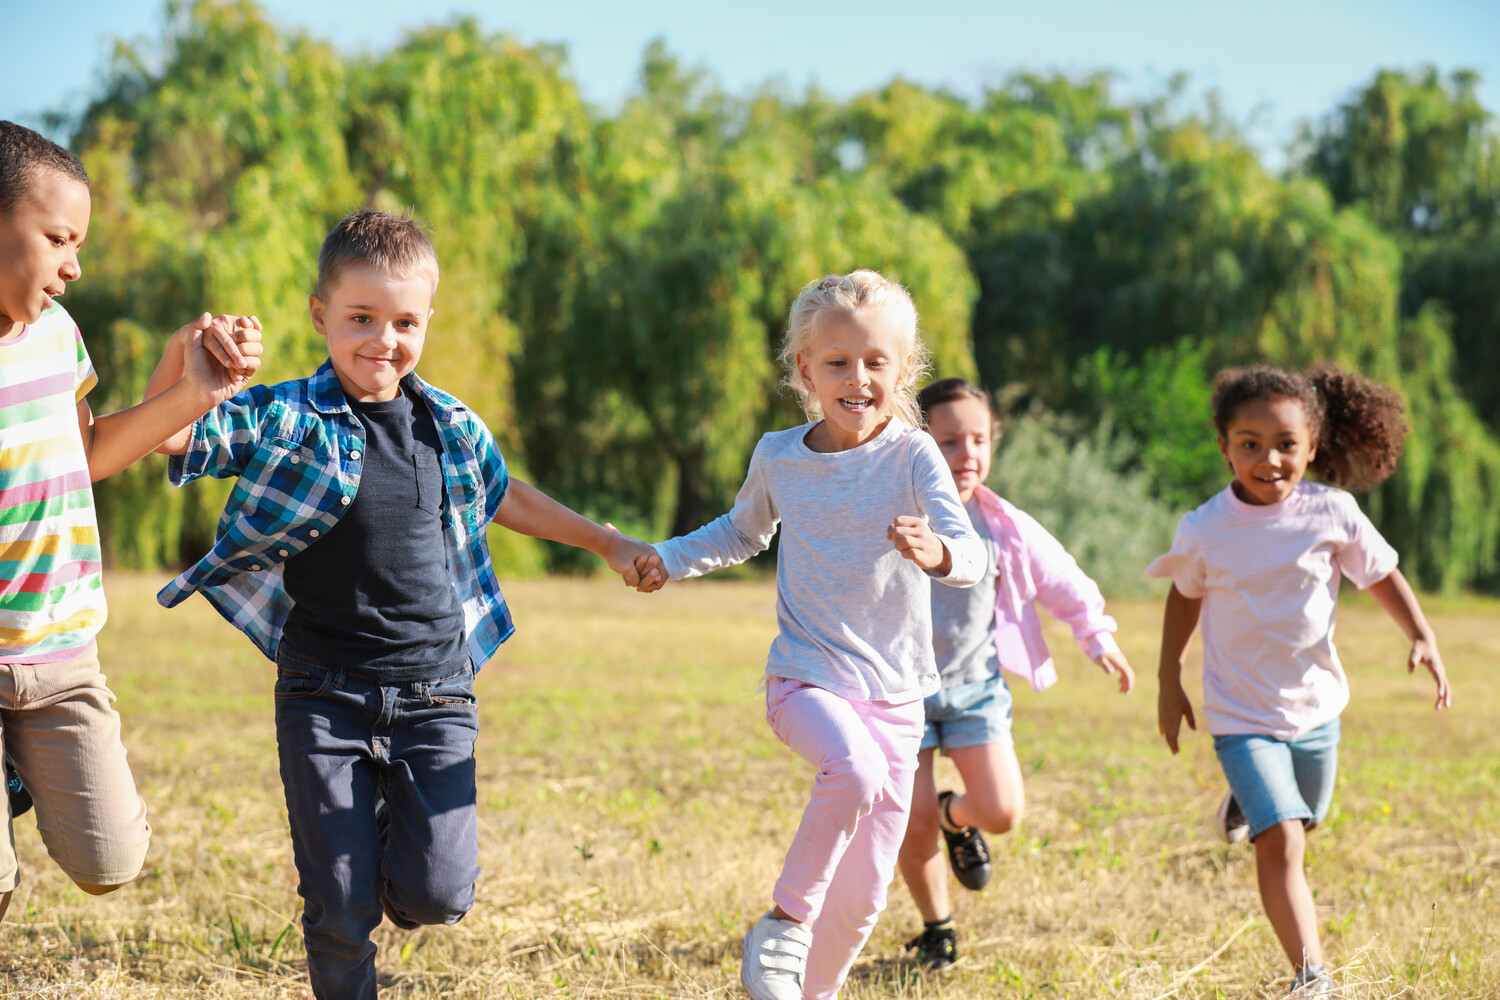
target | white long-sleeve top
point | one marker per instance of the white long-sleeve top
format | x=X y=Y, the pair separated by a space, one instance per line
x=855 y=617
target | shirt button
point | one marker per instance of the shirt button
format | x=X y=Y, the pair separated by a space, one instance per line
x=254 y=567
x=355 y=455
x=296 y=459
x=284 y=553
x=344 y=500
x=313 y=533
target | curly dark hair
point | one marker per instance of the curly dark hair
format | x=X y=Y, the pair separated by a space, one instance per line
x=24 y=152
x=946 y=390
x=1356 y=422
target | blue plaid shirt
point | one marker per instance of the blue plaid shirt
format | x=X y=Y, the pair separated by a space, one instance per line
x=297 y=448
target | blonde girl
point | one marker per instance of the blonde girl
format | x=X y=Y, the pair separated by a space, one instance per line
x=869 y=517
x=1260 y=562
x=976 y=632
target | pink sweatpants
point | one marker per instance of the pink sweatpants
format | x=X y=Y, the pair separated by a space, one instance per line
x=844 y=854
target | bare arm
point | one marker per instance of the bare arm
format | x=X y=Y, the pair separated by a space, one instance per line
x=230 y=340
x=1395 y=595
x=528 y=511
x=1172 y=705
x=206 y=362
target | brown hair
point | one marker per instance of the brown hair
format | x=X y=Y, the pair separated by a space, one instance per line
x=394 y=244
x=23 y=153
x=947 y=390
x=1356 y=422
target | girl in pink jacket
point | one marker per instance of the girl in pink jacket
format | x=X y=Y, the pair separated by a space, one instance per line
x=976 y=632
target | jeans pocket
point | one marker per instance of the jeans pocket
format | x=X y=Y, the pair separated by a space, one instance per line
x=298 y=680
x=454 y=691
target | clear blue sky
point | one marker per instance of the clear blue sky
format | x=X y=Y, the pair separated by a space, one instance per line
x=1281 y=60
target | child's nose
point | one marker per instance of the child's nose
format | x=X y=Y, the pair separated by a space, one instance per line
x=71 y=270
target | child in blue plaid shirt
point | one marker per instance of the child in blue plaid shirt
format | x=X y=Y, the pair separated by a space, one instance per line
x=352 y=552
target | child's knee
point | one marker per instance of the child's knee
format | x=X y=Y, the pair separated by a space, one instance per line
x=1281 y=843
x=438 y=901
x=996 y=817
x=95 y=889
x=861 y=778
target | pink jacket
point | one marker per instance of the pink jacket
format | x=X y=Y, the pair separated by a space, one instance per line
x=1035 y=568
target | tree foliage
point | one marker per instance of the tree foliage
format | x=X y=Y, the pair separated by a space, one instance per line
x=615 y=284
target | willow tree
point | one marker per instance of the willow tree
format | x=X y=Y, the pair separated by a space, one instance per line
x=705 y=218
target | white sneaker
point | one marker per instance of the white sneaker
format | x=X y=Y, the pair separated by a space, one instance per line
x=775 y=958
x=1313 y=982
x=1230 y=822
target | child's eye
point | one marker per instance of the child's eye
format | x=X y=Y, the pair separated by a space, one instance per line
x=58 y=241
x=360 y=318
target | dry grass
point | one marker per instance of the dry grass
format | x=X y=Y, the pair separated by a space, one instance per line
x=634 y=807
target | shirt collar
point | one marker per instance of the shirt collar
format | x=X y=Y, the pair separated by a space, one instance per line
x=327 y=396
x=324 y=391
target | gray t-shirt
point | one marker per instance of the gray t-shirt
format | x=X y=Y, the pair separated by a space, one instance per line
x=855 y=617
x=963 y=620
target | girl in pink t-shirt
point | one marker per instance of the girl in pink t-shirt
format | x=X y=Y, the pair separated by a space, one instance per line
x=1261 y=562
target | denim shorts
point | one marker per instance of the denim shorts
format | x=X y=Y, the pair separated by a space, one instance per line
x=969 y=715
x=1275 y=780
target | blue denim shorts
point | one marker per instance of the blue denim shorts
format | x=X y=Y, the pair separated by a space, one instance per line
x=1276 y=780
x=969 y=715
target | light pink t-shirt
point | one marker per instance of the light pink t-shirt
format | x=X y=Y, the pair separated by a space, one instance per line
x=1269 y=580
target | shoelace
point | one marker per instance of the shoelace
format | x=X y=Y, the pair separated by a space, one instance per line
x=970 y=852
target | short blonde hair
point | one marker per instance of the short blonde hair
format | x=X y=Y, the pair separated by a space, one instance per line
x=849 y=295
x=396 y=245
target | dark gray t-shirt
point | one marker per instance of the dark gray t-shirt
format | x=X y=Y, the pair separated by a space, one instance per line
x=963 y=620
x=374 y=595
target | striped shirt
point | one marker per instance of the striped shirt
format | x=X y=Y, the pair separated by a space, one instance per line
x=298 y=451
x=51 y=589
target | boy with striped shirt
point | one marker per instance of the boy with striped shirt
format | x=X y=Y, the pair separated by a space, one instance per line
x=57 y=726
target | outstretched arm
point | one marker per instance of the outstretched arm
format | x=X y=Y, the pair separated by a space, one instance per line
x=1395 y=595
x=1172 y=705
x=528 y=511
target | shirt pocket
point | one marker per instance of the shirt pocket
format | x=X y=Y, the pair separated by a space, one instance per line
x=429 y=482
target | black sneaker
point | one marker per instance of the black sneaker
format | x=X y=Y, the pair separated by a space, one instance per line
x=20 y=798
x=968 y=853
x=936 y=946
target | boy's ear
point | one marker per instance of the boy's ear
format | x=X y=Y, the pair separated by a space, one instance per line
x=319 y=313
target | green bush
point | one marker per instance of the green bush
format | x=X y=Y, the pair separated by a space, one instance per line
x=1075 y=481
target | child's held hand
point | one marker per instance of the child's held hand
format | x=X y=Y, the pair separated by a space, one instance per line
x=1115 y=663
x=221 y=354
x=1172 y=706
x=915 y=541
x=638 y=563
x=1424 y=652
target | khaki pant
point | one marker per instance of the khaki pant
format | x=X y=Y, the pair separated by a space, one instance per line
x=58 y=728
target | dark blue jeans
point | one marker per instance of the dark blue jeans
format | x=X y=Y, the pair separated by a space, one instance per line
x=345 y=744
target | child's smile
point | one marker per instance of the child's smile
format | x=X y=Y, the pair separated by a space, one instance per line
x=852 y=367
x=962 y=429
x=375 y=324
x=1269 y=446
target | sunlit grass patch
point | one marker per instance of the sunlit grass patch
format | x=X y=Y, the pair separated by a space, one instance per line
x=634 y=807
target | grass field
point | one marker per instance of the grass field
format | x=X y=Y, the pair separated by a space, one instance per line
x=634 y=807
